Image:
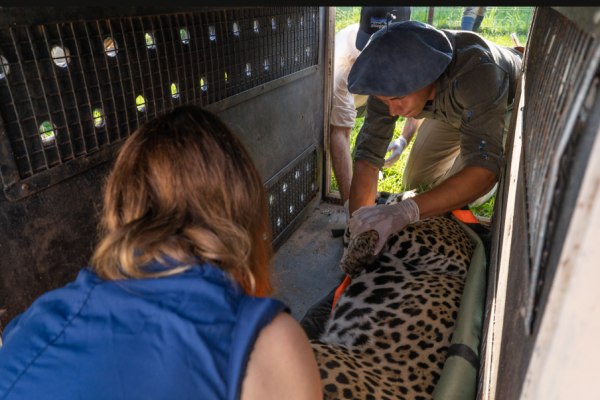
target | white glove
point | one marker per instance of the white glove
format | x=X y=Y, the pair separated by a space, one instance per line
x=396 y=147
x=384 y=219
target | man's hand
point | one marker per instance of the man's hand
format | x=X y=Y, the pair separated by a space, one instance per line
x=384 y=219
x=396 y=147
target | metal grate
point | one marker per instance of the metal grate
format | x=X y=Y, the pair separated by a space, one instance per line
x=556 y=80
x=292 y=189
x=70 y=89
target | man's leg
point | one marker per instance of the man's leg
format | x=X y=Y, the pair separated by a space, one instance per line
x=480 y=14
x=340 y=158
x=432 y=155
x=468 y=18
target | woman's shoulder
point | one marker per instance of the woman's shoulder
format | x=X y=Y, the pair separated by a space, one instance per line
x=282 y=364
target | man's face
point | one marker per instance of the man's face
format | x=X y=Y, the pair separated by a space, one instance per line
x=410 y=105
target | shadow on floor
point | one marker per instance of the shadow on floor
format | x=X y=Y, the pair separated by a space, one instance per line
x=305 y=268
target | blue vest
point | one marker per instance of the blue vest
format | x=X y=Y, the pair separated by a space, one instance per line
x=187 y=336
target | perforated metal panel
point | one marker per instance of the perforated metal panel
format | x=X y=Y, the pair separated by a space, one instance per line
x=292 y=189
x=558 y=73
x=275 y=108
x=74 y=88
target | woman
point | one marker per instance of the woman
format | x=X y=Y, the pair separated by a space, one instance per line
x=172 y=306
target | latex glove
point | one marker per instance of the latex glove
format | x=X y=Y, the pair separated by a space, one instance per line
x=396 y=147
x=384 y=219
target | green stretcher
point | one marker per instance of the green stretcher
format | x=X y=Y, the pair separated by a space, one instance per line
x=459 y=375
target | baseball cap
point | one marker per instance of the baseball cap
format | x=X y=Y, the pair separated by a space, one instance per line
x=373 y=19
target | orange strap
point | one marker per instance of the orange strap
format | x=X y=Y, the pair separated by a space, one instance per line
x=465 y=216
x=340 y=290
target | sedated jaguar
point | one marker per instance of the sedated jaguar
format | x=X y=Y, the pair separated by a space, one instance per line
x=390 y=330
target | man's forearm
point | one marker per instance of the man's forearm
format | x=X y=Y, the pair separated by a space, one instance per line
x=455 y=192
x=364 y=185
x=411 y=126
x=341 y=158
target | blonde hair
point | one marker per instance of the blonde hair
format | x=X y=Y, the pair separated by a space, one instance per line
x=185 y=187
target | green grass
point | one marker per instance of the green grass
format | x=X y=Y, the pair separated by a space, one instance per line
x=46 y=129
x=497 y=25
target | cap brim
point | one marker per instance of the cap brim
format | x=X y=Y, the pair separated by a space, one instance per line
x=361 y=40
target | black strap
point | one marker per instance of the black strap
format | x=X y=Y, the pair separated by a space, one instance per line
x=338 y=232
x=383 y=197
x=464 y=351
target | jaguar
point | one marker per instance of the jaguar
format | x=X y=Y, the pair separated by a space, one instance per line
x=389 y=331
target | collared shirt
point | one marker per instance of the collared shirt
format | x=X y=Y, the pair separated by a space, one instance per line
x=344 y=103
x=472 y=94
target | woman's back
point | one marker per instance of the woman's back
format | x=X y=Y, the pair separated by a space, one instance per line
x=182 y=336
x=183 y=189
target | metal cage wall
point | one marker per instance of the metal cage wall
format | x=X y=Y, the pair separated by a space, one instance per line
x=559 y=71
x=69 y=90
x=555 y=128
x=76 y=83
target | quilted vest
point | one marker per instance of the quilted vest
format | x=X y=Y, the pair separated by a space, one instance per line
x=186 y=336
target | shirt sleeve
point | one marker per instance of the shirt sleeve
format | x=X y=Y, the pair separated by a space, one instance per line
x=482 y=93
x=376 y=133
x=343 y=111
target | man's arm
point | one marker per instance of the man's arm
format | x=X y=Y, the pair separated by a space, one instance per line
x=371 y=146
x=457 y=191
x=411 y=125
x=341 y=159
x=364 y=185
x=399 y=145
x=364 y=180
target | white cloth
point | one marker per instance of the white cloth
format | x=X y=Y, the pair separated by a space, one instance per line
x=344 y=103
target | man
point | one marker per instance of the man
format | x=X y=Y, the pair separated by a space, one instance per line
x=458 y=87
x=472 y=18
x=345 y=107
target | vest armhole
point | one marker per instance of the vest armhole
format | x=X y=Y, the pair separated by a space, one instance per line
x=253 y=315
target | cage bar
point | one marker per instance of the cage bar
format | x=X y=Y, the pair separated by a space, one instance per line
x=92 y=79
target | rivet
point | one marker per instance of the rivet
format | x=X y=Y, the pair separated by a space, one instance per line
x=24 y=187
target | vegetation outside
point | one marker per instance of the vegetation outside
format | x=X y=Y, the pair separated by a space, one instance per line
x=46 y=130
x=497 y=25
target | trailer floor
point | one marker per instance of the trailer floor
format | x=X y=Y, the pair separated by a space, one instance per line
x=305 y=268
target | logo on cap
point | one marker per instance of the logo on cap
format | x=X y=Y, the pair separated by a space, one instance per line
x=377 y=22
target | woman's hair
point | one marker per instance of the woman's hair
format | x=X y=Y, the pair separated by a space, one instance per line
x=185 y=187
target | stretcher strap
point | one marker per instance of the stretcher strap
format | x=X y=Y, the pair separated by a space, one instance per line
x=464 y=351
x=340 y=290
x=465 y=216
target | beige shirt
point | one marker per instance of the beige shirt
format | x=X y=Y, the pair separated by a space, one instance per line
x=344 y=103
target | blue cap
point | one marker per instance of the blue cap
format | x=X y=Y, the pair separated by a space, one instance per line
x=400 y=59
x=373 y=19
